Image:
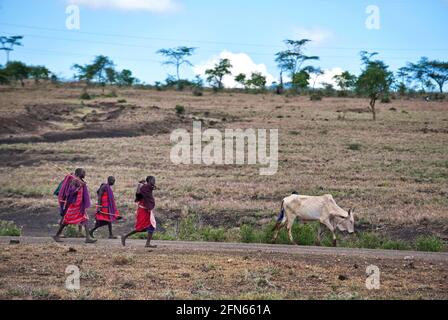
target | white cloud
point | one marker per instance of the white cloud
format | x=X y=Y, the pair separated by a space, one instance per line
x=327 y=77
x=241 y=63
x=129 y=5
x=318 y=35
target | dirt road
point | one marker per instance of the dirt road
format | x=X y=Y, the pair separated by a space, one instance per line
x=214 y=247
x=35 y=268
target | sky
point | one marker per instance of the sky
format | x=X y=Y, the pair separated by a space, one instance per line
x=249 y=33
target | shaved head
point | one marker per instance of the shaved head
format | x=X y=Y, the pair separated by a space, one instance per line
x=111 y=180
x=80 y=173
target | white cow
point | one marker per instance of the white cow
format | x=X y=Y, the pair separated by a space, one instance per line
x=308 y=208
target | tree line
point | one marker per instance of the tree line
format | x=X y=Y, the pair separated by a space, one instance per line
x=375 y=81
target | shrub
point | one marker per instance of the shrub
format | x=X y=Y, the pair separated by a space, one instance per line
x=158 y=85
x=212 y=234
x=122 y=101
x=429 y=243
x=316 y=96
x=163 y=236
x=385 y=99
x=72 y=232
x=180 y=109
x=354 y=146
x=394 y=245
x=112 y=94
x=305 y=234
x=247 y=234
x=188 y=229
x=197 y=92
x=369 y=240
x=9 y=229
x=85 y=96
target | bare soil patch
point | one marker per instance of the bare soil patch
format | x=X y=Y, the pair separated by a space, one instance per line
x=63 y=122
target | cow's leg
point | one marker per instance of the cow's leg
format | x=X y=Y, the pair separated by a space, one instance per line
x=319 y=234
x=277 y=229
x=330 y=227
x=289 y=226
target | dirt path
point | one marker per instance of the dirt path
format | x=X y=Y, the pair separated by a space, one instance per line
x=243 y=248
x=35 y=268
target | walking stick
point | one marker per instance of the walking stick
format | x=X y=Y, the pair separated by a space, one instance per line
x=66 y=172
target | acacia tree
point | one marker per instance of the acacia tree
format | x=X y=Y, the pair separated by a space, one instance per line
x=292 y=59
x=300 y=80
x=437 y=71
x=8 y=43
x=345 y=81
x=111 y=75
x=177 y=57
x=125 y=78
x=317 y=72
x=404 y=80
x=417 y=71
x=99 y=71
x=39 y=73
x=216 y=75
x=241 y=79
x=17 y=71
x=284 y=64
x=257 y=81
x=428 y=73
x=375 y=80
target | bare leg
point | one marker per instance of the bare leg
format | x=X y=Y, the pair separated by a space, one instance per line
x=148 y=241
x=57 y=237
x=123 y=238
x=111 y=236
x=80 y=230
x=93 y=230
x=88 y=238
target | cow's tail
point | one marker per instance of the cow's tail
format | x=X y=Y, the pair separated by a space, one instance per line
x=281 y=218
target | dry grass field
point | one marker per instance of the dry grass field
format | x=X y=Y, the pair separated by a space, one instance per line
x=165 y=273
x=393 y=171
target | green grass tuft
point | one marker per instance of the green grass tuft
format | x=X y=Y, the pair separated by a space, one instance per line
x=429 y=243
x=72 y=231
x=9 y=229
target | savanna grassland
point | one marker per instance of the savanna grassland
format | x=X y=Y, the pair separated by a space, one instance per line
x=393 y=171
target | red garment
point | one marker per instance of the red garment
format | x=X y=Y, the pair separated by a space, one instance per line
x=74 y=214
x=144 y=218
x=103 y=212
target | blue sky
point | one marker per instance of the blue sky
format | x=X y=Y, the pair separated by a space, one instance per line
x=250 y=32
